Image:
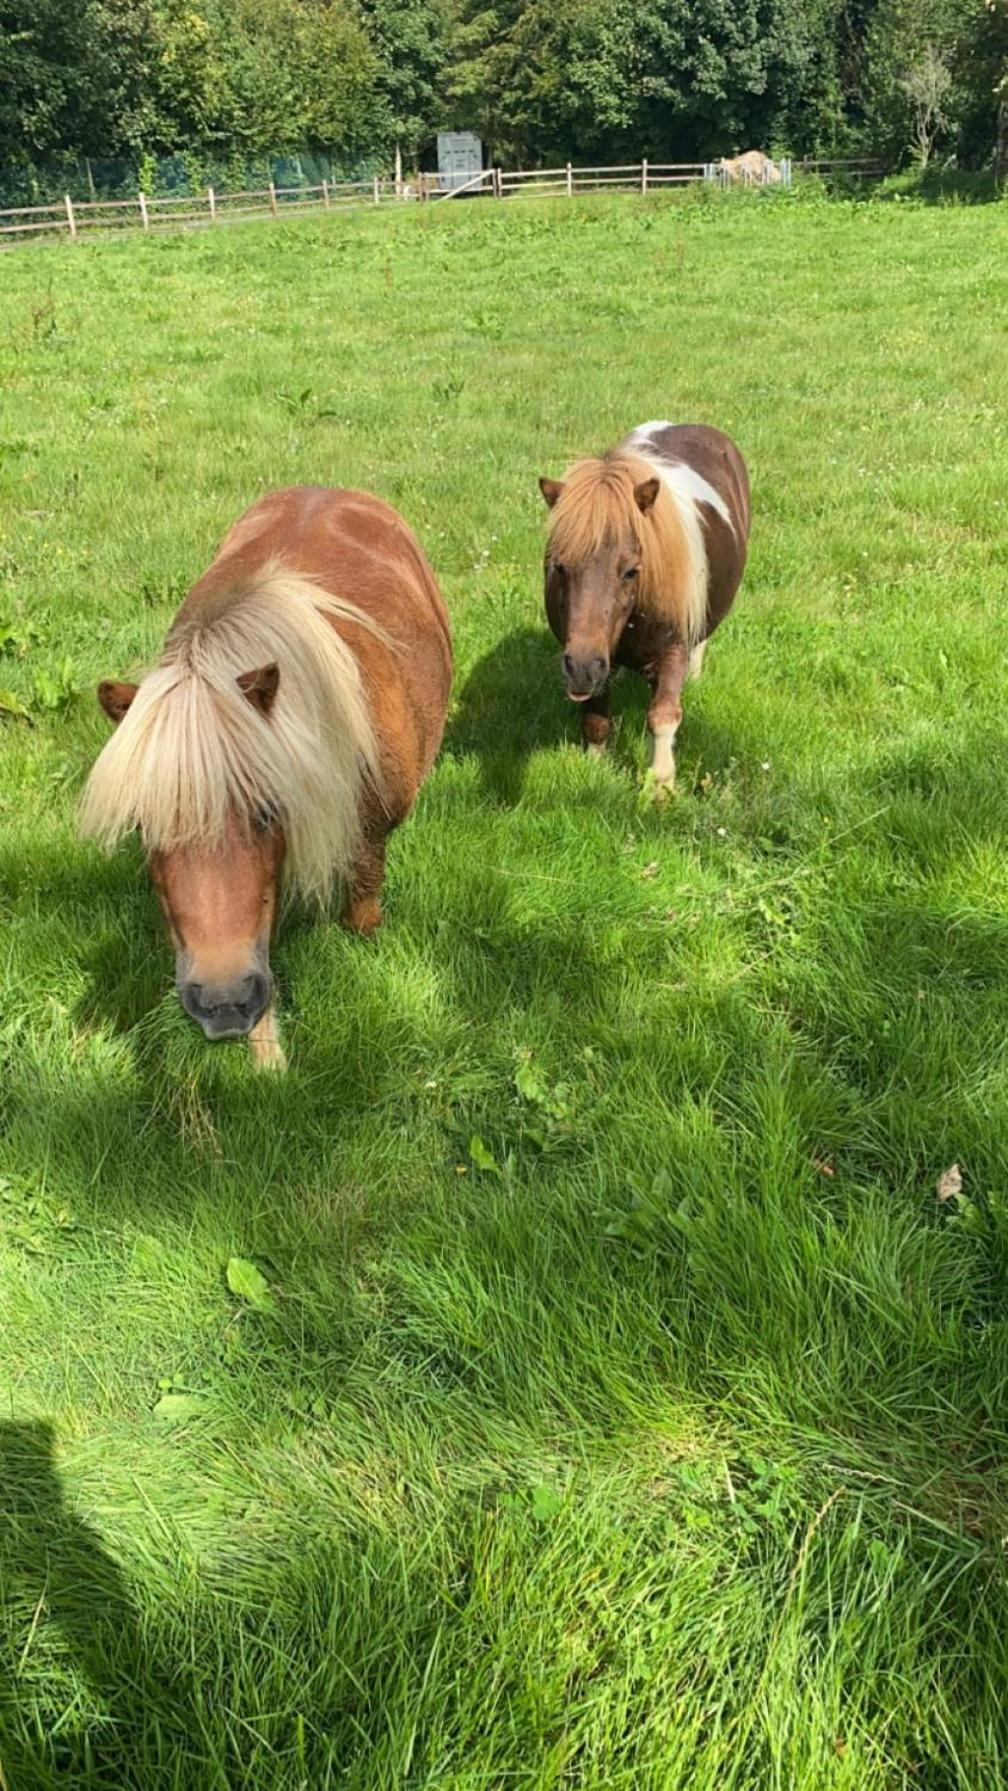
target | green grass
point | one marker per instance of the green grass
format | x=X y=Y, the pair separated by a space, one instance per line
x=658 y=1439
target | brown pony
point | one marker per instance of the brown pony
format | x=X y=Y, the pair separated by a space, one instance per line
x=645 y=553
x=287 y=727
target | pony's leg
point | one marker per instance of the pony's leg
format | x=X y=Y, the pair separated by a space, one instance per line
x=665 y=714
x=595 y=723
x=264 y=1042
x=696 y=659
x=362 y=913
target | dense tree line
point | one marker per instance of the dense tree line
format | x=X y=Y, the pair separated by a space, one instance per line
x=537 y=79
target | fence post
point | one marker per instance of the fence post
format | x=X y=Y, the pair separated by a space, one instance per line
x=71 y=220
x=325 y=194
x=570 y=181
x=643 y=177
x=377 y=190
x=785 y=171
x=212 y=204
x=145 y=221
x=498 y=189
x=272 y=194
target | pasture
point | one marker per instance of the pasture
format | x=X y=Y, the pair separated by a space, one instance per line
x=613 y=1401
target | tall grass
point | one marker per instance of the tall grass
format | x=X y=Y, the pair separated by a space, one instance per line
x=625 y=1409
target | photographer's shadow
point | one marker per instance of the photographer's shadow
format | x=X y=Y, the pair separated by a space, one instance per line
x=61 y=1590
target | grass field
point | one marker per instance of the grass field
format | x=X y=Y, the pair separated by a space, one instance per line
x=625 y=1408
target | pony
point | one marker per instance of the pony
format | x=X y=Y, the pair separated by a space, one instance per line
x=645 y=552
x=298 y=705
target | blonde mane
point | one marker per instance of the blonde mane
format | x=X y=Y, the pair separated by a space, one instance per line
x=192 y=751
x=597 y=507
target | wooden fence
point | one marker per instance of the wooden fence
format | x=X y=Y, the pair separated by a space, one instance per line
x=858 y=168
x=74 y=218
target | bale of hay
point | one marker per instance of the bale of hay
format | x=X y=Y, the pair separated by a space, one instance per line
x=753 y=168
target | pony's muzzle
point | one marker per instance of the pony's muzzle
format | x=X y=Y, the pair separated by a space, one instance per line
x=585 y=674
x=227 y=1010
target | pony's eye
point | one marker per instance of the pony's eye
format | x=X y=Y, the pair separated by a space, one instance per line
x=559 y=568
x=264 y=818
x=630 y=574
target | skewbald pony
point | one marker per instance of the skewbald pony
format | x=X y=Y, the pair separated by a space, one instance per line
x=193 y=753
x=598 y=505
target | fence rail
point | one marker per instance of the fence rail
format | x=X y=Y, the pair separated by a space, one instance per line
x=149 y=212
x=856 y=166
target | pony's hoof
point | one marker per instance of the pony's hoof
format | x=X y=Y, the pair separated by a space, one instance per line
x=265 y=1048
x=364 y=917
x=659 y=789
x=595 y=749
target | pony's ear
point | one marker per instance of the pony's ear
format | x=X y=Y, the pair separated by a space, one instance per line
x=260 y=686
x=645 y=493
x=115 y=699
x=551 y=490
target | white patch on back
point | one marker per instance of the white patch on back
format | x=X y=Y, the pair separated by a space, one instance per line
x=688 y=489
x=688 y=481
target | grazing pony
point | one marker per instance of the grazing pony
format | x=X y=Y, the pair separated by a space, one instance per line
x=645 y=552
x=297 y=707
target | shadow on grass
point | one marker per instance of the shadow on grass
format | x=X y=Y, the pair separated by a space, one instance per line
x=472 y=964
x=923 y=800
x=102 y=911
x=933 y=186
x=944 y=186
x=82 y=1674
x=511 y=705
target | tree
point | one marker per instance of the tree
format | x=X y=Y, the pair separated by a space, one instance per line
x=166 y=75
x=675 y=79
x=302 y=75
x=910 y=97
x=51 y=92
x=410 y=41
x=539 y=80
x=926 y=85
x=981 y=73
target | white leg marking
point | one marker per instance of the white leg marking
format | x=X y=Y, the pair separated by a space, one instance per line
x=696 y=659
x=663 y=757
x=264 y=1043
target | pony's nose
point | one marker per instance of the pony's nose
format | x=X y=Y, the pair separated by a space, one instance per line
x=227 y=1010
x=584 y=672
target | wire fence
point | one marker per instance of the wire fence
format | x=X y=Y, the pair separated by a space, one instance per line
x=73 y=218
x=88 y=178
